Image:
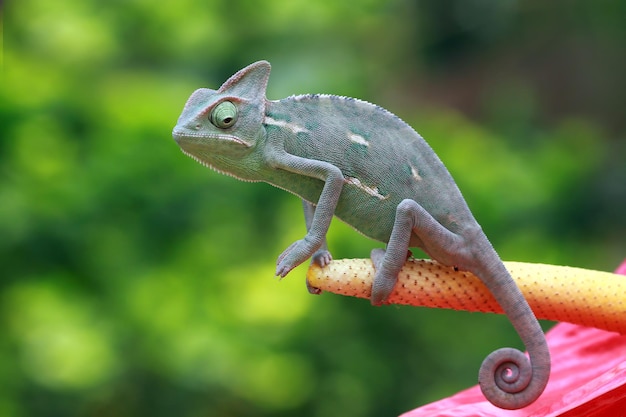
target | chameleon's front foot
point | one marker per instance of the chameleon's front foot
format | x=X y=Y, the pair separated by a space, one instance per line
x=298 y=252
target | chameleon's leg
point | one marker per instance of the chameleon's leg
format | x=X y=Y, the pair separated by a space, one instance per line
x=305 y=248
x=322 y=257
x=507 y=378
x=410 y=218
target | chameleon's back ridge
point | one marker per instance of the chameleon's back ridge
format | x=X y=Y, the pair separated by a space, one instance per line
x=355 y=160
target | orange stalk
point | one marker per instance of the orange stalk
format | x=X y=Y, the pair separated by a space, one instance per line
x=558 y=293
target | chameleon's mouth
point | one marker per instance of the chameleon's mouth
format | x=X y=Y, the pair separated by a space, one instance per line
x=185 y=137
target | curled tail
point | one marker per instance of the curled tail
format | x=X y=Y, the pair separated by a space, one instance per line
x=507 y=378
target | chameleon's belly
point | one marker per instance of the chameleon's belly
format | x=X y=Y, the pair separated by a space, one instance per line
x=370 y=215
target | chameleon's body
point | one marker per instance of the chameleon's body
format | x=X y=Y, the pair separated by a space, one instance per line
x=352 y=159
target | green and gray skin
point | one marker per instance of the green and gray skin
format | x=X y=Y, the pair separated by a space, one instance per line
x=359 y=162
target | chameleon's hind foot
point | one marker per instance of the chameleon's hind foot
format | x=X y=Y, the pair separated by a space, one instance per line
x=384 y=280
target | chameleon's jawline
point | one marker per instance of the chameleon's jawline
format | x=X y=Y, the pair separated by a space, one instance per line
x=185 y=136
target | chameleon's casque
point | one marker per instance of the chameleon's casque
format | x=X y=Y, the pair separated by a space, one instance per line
x=355 y=160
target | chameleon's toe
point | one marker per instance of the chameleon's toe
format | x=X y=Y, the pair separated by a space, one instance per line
x=322 y=258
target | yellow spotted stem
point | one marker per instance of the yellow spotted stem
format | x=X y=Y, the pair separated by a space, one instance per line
x=558 y=293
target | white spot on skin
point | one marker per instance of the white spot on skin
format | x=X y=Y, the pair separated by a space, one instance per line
x=373 y=191
x=416 y=175
x=284 y=124
x=358 y=139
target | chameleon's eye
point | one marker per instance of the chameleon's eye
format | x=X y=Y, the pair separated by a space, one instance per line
x=224 y=115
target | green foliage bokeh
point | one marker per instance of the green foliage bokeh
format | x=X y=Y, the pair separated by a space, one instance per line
x=136 y=282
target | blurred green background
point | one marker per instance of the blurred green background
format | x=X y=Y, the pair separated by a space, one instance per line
x=136 y=282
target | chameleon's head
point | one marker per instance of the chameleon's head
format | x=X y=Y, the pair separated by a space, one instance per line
x=218 y=128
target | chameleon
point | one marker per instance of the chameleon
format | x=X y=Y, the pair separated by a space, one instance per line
x=351 y=159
